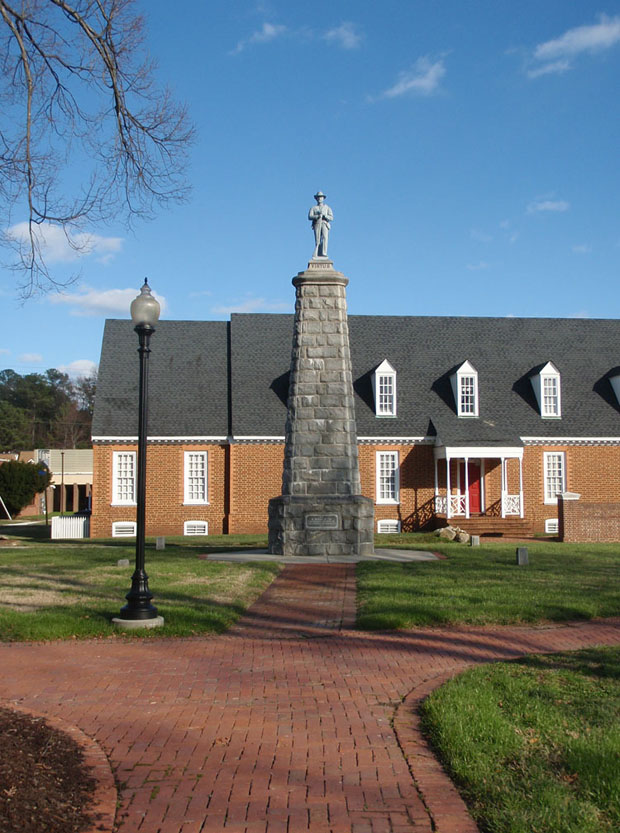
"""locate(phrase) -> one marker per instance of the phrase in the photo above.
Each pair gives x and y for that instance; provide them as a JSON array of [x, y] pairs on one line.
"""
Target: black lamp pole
[[145, 313]]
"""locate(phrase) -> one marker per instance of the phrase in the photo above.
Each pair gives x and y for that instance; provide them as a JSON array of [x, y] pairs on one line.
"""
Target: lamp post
[[139, 612]]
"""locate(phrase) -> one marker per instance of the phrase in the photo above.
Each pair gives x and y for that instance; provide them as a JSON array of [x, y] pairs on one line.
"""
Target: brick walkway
[[283, 725]]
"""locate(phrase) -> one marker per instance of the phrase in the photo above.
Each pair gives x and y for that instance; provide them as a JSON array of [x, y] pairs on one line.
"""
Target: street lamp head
[[145, 308]]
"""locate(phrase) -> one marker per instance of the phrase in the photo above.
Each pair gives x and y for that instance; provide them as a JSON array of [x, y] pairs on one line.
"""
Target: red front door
[[473, 472]]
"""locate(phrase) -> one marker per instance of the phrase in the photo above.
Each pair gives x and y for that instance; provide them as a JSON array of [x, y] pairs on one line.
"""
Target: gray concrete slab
[[379, 555]]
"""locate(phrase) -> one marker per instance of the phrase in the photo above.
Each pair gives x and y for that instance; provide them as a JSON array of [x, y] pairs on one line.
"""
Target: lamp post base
[[135, 624]]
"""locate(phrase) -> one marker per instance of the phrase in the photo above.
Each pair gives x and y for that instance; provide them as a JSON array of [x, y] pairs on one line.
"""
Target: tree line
[[45, 410]]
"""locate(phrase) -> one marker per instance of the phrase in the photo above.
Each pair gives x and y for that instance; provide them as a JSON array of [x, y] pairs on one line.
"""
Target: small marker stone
[[522, 556]]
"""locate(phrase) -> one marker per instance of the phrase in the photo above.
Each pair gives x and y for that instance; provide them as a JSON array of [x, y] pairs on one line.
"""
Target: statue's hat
[[319, 194]]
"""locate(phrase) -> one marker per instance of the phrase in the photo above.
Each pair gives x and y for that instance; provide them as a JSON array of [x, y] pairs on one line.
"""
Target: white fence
[[70, 526]]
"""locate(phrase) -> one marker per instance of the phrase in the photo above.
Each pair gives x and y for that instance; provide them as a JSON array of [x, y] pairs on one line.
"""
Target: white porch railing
[[511, 505], [457, 504], [70, 526]]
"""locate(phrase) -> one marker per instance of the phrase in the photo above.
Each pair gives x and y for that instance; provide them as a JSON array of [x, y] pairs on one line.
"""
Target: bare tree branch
[[85, 134]]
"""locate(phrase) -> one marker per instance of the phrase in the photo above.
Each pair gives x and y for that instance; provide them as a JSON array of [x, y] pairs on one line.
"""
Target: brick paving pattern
[[290, 722]]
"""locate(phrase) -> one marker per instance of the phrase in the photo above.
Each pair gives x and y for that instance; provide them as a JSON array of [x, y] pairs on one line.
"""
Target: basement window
[[195, 528], [124, 529], [388, 527]]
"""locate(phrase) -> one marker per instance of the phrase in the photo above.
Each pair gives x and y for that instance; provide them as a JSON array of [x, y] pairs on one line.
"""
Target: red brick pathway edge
[[103, 803], [445, 806]]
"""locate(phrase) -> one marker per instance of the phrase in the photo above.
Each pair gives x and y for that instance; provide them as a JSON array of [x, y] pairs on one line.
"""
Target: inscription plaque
[[331, 521]]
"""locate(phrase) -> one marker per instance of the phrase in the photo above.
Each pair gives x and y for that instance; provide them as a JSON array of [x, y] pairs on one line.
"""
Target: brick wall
[[256, 477], [592, 471], [588, 522], [417, 484], [165, 508], [242, 479]]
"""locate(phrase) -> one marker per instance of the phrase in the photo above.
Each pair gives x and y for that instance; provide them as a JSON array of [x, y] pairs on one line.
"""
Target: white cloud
[[253, 305], [79, 368], [422, 79], [58, 247], [537, 206], [347, 35], [555, 55], [30, 358], [480, 236], [554, 68], [268, 32], [477, 267], [4, 351], [88, 301], [582, 249], [583, 313]]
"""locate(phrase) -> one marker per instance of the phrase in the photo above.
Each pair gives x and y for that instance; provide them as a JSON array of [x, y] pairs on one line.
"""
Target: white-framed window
[[554, 474], [196, 528], [465, 389], [548, 391], [387, 477], [124, 478], [195, 480], [550, 396], [387, 527], [552, 526], [467, 396], [384, 387], [124, 529]]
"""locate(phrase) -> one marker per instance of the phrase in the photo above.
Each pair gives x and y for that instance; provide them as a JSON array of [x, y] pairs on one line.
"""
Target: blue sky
[[468, 150]]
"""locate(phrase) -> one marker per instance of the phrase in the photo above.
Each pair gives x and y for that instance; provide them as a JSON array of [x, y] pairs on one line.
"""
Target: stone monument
[[321, 510]]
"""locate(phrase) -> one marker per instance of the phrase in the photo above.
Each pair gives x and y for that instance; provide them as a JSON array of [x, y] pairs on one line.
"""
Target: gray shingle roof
[[189, 390], [188, 380]]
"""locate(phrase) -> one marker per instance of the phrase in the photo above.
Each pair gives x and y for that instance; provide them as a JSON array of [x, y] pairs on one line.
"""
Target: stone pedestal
[[321, 510]]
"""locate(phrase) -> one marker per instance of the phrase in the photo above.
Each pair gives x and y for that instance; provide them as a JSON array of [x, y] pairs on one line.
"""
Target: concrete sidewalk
[[383, 554], [290, 722]]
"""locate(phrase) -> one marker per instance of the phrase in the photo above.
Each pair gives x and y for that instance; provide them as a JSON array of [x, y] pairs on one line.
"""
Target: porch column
[[521, 507], [467, 487], [503, 469], [448, 490], [436, 485]]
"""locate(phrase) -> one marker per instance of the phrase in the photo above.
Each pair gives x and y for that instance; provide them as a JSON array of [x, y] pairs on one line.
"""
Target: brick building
[[479, 422]]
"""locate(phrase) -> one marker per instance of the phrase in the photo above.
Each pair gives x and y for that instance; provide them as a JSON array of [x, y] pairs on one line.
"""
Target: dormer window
[[465, 388], [614, 381], [384, 388], [546, 385]]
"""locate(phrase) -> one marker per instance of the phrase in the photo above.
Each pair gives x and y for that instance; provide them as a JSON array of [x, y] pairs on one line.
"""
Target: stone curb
[[445, 806], [104, 799]]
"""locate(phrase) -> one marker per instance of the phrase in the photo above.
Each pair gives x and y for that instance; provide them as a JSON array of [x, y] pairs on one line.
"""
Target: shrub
[[20, 482]]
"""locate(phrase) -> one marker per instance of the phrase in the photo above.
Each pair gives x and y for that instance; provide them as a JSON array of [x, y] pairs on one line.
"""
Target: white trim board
[[160, 439], [482, 451], [570, 440]]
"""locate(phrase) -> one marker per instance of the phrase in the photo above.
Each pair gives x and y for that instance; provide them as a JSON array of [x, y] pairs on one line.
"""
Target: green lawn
[[534, 745], [51, 590], [483, 585], [72, 589]]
